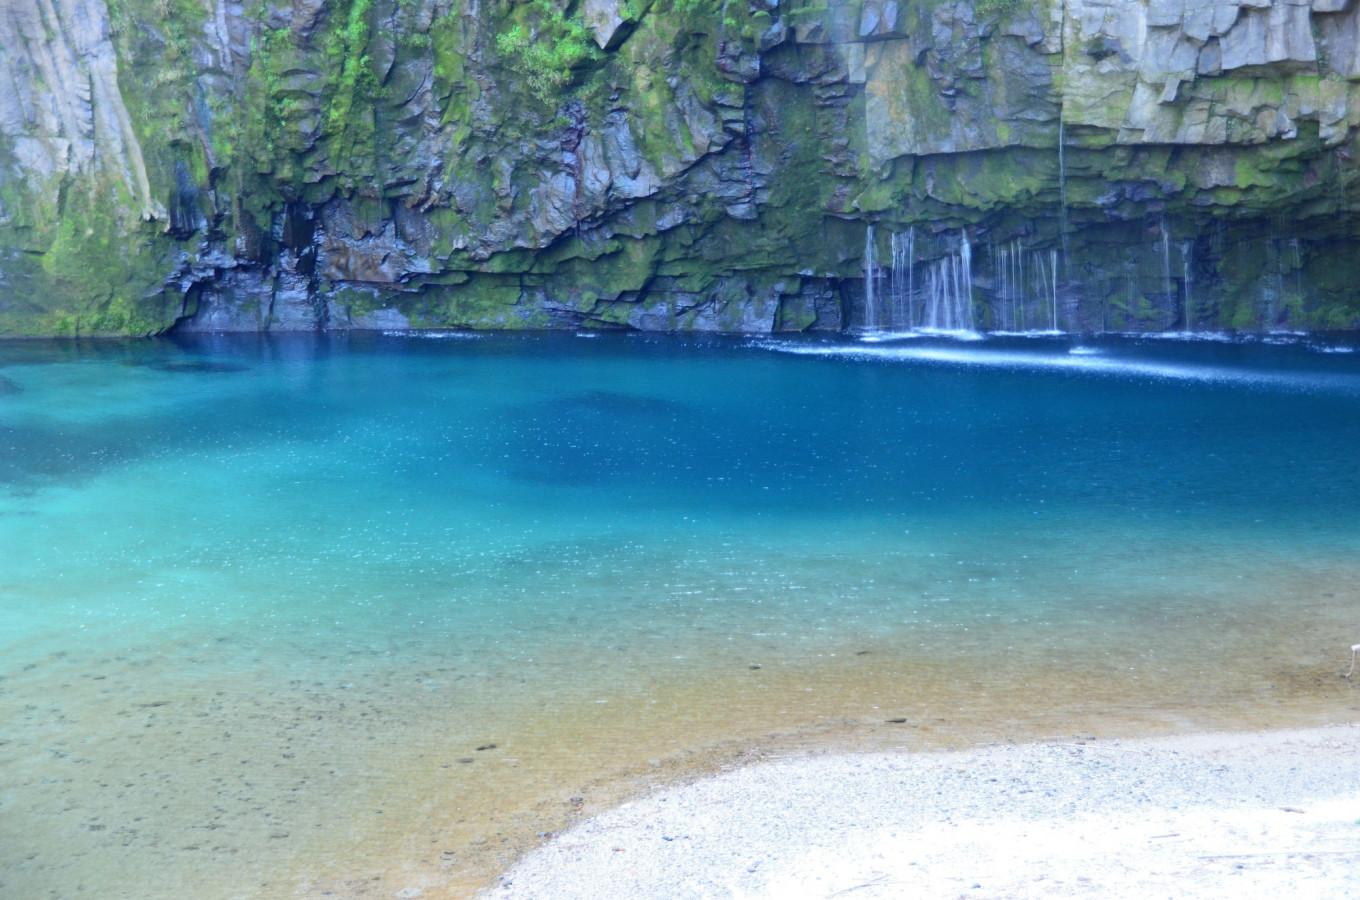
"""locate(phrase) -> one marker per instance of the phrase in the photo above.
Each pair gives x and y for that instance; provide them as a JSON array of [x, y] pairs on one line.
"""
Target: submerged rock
[[198, 367]]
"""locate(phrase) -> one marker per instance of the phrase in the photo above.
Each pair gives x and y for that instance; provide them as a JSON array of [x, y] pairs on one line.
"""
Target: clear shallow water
[[262, 600]]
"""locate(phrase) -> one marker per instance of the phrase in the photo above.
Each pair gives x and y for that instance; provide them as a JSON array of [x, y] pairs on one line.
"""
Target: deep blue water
[[355, 545]]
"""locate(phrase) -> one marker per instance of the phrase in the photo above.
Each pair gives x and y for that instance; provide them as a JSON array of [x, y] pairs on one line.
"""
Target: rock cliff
[[737, 165]]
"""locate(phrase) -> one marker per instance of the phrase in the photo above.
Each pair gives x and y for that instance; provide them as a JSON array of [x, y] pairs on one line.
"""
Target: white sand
[[1240, 815]]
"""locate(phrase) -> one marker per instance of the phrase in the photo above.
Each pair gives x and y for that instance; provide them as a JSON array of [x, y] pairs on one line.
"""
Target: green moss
[[361, 302], [1247, 172], [795, 314], [628, 266], [1001, 7], [350, 120], [456, 89], [102, 273], [486, 301], [544, 46], [313, 119], [925, 106]]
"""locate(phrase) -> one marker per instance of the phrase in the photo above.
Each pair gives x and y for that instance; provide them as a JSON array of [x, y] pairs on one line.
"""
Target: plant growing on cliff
[[349, 117], [547, 53], [997, 7]]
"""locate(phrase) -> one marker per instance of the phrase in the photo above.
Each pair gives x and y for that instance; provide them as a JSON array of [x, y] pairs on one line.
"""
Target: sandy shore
[[1209, 815]]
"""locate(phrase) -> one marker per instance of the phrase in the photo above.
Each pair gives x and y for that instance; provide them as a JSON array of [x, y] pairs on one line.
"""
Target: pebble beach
[[1207, 815]]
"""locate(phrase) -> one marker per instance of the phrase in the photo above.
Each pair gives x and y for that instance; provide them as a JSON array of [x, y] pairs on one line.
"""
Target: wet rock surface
[[670, 166]]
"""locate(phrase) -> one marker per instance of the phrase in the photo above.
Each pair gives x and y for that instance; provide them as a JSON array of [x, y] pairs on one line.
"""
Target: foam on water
[[958, 334], [1043, 333], [1221, 337], [433, 334], [1084, 360]]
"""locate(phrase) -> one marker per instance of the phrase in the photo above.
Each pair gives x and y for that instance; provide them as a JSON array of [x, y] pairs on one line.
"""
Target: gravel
[[1209, 815]]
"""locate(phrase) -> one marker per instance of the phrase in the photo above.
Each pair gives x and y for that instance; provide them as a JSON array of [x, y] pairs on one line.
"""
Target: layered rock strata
[[676, 164]]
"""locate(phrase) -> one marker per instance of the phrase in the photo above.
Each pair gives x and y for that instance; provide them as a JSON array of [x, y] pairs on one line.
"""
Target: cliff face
[[678, 164]]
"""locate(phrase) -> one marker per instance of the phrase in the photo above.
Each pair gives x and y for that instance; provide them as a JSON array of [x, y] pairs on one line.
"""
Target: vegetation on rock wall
[[545, 50], [669, 163]]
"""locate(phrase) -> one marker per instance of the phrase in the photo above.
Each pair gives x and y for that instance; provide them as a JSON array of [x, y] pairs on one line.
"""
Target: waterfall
[[1281, 298], [1187, 247], [937, 285], [1062, 181], [1024, 282], [1053, 287], [1270, 293], [1297, 262], [966, 263], [1166, 258], [1015, 287], [903, 285], [998, 284], [949, 290], [1046, 284], [870, 277], [1002, 287], [1036, 286]]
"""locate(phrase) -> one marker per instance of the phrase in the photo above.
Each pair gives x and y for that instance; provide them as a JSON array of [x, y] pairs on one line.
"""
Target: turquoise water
[[261, 600]]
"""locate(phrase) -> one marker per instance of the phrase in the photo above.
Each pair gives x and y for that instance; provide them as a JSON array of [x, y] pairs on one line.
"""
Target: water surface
[[365, 614]]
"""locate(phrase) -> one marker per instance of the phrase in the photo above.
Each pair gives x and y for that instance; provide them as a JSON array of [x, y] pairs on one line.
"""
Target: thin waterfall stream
[[870, 280], [1187, 248]]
